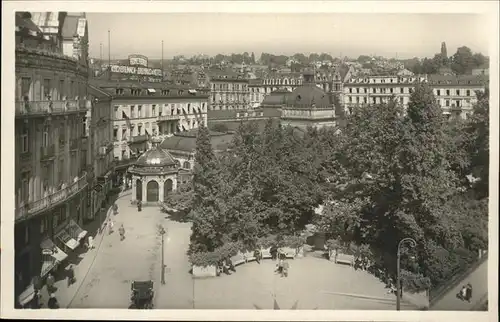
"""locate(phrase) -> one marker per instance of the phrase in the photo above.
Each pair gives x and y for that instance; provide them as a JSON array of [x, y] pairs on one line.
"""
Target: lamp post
[[162, 232], [412, 243]]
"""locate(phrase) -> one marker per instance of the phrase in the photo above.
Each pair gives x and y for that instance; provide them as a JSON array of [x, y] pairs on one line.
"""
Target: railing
[[47, 152], [168, 117], [30, 209], [49, 107]]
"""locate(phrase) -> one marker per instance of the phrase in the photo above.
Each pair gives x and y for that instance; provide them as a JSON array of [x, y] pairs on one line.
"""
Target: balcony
[[25, 156], [168, 117], [49, 107], [47, 153], [30, 209]]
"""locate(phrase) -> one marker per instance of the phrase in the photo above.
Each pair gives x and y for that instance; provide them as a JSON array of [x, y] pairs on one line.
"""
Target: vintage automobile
[[142, 295]]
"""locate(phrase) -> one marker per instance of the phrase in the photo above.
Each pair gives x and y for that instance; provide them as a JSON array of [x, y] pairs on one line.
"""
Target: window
[[357, 90], [124, 134], [350, 90], [468, 93], [392, 89], [447, 92], [438, 92], [72, 90], [139, 111], [115, 134], [458, 92], [124, 154], [24, 140], [447, 102], [187, 165], [132, 111], [46, 88], [402, 90], [25, 87], [153, 108], [45, 137], [350, 99], [139, 129]]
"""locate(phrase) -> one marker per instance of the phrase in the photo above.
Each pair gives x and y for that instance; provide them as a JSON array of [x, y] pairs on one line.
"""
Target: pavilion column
[[161, 185], [174, 183], [144, 190], [134, 188]]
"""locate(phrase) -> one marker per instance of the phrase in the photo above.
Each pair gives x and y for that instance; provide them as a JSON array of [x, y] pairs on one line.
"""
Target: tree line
[[384, 174]]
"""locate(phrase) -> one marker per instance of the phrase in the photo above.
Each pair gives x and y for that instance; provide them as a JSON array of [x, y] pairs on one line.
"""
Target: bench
[[345, 259]]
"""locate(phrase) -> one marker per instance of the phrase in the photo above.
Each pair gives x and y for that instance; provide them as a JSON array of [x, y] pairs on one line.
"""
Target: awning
[[27, 295], [76, 231], [67, 240], [151, 90], [51, 256], [192, 91]]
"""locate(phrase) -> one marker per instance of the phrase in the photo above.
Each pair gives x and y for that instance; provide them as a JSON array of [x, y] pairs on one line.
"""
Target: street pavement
[[479, 281], [104, 275], [118, 263]]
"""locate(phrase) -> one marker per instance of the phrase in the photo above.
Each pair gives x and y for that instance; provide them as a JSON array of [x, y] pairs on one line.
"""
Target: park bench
[[345, 259]]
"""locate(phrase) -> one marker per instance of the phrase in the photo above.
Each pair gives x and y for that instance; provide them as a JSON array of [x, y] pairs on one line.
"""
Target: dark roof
[[275, 98], [457, 80], [70, 26], [22, 21], [307, 95], [97, 92], [155, 157], [186, 141]]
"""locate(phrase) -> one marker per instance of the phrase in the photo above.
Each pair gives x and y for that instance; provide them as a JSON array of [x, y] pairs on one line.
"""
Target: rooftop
[[186, 141]]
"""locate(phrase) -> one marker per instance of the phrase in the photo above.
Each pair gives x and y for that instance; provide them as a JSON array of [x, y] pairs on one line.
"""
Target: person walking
[[284, 270], [71, 275], [90, 242], [258, 255], [50, 283], [110, 225], [121, 230], [468, 292], [53, 303]]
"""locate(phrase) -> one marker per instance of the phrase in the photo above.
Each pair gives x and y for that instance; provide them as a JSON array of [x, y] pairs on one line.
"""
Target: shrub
[[205, 259]]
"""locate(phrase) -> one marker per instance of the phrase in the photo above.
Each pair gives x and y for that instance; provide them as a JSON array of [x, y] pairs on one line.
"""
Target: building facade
[[51, 187], [455, 94], [99, 130], [228, 91]]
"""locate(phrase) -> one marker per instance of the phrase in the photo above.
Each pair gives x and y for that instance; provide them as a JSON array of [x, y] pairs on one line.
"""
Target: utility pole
[[162, 232]]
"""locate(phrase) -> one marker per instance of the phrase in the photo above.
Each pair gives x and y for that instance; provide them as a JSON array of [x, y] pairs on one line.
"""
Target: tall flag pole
[[109, 53]]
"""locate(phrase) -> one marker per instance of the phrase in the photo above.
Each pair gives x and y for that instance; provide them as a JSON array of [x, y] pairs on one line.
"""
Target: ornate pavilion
[[154, 175]]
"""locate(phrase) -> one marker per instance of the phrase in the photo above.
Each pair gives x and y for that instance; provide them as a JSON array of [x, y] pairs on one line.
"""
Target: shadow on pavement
[[178, 216]]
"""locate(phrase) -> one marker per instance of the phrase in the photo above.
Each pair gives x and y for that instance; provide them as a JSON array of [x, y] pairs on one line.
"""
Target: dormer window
[[119, 91]]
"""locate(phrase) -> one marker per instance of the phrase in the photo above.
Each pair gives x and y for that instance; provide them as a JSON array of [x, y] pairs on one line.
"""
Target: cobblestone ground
[[118, 263]]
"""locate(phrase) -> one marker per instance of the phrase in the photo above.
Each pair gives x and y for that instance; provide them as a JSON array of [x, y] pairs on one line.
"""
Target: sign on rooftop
[[136, 70], [138, 60]]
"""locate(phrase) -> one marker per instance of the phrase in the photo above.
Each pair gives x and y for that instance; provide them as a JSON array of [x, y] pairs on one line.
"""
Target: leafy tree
[[253, 58], [364, 59], [220, 127], [462, 61], [208, 226]]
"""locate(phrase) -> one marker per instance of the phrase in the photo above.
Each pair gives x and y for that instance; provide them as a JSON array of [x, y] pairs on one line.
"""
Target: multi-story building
[[50, 155], [228, 91], [455, 94], [99, 130], [379, 89]]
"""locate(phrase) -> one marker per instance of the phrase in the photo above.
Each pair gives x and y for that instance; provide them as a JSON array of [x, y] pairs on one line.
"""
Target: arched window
[[187, 165]]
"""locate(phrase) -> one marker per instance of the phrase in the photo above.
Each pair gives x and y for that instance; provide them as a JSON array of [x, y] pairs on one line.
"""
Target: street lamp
[[412, 243], [162, 232]]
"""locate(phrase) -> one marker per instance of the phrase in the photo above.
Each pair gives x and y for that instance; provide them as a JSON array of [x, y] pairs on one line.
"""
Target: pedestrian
[[139, 205], [468, 292], [284, 270], [50, 283], [230, 264], [110, 225], [273, 251], [279, 267], [71, 275], [115, 209], [52, 303], [463, 292], [90, 242], [258, 255], [35, 302], [121, 230]]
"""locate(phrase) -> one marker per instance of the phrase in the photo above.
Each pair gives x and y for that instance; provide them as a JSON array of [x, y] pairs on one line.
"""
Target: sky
[[391, 35]]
